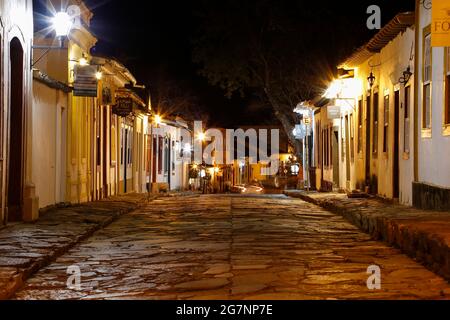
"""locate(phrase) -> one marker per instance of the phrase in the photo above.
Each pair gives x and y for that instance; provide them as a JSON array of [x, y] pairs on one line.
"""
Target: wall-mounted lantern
[[62, 24], [371, 80], [406, 76]]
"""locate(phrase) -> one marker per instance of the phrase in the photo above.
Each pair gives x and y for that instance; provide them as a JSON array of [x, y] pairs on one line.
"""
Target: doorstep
[[422, 235]]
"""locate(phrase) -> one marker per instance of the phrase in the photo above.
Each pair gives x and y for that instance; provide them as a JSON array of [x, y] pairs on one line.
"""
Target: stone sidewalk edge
[[7, 290], [424, 247]]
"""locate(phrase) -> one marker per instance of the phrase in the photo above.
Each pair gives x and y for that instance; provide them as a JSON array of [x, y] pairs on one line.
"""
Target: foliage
[[269, 48]]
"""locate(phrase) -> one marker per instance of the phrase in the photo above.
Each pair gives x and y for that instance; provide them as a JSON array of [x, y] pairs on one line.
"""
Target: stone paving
[[222, 247], [422, 234], [27, 247]]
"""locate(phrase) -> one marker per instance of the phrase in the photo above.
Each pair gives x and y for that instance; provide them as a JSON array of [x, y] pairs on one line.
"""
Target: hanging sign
[[333, 112], [440, 24], [86, 82], [123, 107]]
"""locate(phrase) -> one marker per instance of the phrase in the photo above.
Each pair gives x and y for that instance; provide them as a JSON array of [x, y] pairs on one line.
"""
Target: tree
[[175, 97], [281, 51]]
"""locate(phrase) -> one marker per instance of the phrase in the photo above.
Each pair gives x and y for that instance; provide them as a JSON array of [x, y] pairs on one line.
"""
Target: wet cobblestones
[[219, 247]]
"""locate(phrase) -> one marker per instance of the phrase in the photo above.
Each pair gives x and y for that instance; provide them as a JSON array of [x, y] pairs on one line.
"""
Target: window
[[406, 146], [344, 126], [130, 146], [325, 147], [166, 156], [447, 87], [360, 127], [352, 138], [174, 144], [426, 103], [113, 141], [386, 124], [375, 123], [122, 139], [160, 154], [98, 137], [331, 146]]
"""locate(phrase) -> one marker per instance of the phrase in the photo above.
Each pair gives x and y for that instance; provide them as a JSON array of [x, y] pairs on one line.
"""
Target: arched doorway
[[15, 163]]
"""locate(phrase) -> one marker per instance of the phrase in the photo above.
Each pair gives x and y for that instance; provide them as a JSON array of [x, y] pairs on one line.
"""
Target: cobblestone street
[[222, 247]]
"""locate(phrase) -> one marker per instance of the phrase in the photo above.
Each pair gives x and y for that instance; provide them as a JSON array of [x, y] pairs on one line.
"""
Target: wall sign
[[440, 24], [86, 83], [333, 112]]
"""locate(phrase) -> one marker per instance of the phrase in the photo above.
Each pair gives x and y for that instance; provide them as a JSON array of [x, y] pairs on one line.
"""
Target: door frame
[[22, 140], [396, 151]]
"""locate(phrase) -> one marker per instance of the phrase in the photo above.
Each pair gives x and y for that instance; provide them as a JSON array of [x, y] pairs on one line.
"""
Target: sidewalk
[[26, 248], [422, 235]]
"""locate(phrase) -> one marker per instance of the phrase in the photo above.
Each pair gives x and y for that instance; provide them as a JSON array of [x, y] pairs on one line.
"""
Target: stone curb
[[12, 279], [427, 248]]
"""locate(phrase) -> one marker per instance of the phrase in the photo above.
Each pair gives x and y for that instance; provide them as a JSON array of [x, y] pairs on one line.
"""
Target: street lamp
[[157, 119], [407, 74], [83, 61], [371, 80], [62, 24], [201, 136]]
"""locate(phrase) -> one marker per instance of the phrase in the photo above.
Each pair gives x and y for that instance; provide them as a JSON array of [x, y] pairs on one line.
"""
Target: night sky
[[153, 39]]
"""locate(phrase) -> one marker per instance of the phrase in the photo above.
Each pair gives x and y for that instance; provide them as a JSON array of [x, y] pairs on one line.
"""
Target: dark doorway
[[125, 166], [348, 146], [154, 158], [368, 141], [396, 173], [15, 163], [335, 155]]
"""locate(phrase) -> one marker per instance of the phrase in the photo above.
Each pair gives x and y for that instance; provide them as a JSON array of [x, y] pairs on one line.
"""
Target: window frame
[[386, 111], [446, 115], [407, 121], [376, 122], [352, 138], [427, 84], [360, 126]]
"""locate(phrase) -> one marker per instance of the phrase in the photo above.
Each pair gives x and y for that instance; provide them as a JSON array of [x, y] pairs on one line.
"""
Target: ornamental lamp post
[[62, 24]]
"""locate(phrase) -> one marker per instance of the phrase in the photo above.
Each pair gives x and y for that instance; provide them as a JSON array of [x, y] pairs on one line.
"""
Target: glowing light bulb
[[158, 119], [62, 24], [201, 136], [83, 62]]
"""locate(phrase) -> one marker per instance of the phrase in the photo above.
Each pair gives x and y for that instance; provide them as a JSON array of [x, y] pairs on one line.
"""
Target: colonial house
[[90, 120], [64, 112], [171, 154], [432, 124], [121, 131], [363, 131], [17, 188]]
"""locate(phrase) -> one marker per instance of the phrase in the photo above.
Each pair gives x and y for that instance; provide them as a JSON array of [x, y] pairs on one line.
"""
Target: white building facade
[[432, 169], [18, 199]]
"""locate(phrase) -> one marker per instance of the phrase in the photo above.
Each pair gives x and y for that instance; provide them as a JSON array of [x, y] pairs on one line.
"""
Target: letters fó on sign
[[440, 25]]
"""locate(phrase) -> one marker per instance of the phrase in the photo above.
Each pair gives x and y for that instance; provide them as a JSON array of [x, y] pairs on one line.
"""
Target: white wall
[[49, 139], [178, 177], [16, 20], [434, 151]]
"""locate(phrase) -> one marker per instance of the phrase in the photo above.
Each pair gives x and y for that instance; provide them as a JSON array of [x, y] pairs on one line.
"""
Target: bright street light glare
[[201, 136], [62, 23], [158, 119]]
